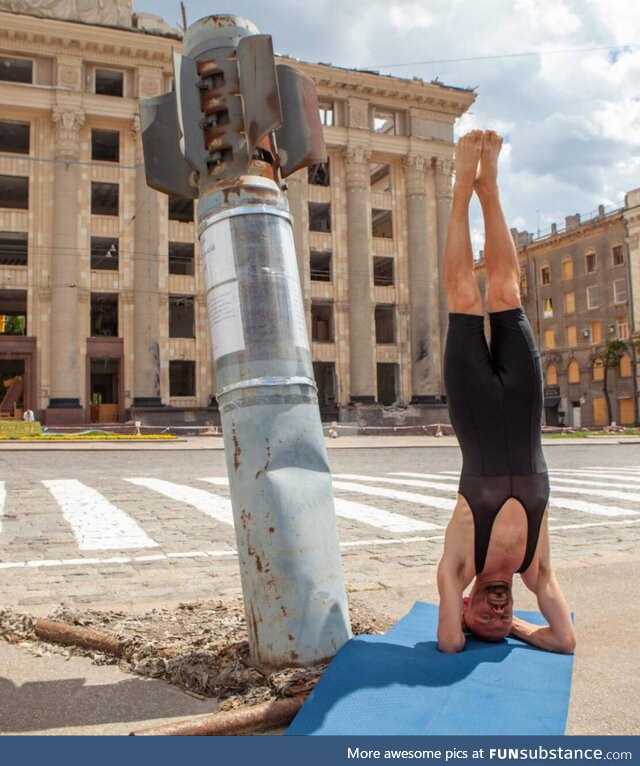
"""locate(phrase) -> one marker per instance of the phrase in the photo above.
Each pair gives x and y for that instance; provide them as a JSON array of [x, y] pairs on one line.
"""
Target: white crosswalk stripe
[[215, 506], [441, 503], [365, 514], [97, 524], [398, 482]]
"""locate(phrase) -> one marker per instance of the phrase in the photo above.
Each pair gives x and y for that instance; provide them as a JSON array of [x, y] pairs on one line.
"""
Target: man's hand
[[543, 636]]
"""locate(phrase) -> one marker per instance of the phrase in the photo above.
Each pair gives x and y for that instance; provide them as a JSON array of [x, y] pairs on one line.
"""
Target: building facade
[[101, 283], [576, 285]]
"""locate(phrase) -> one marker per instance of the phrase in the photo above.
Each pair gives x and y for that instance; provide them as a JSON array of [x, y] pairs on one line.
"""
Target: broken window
[[548, 309], [318, 175], [385, 121], [380, 177], [320, 216], [545, 275], [105, 145], [325, 377], [387, 379], [590, 263], [385, 324], [321, 265], [14, 137], [382, 223], [618, 255], [14, 192], [104, 253], [180, 209], [181, 258], [327, 113], [13, 248], [13, 312], [16, 70], [109, 82], [322, 322], [104, 315], [182, 316], [182, 377], [382, 271], [104, 198]]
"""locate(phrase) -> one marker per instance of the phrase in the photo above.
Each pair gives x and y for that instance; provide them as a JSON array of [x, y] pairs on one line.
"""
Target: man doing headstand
[[499, 524]]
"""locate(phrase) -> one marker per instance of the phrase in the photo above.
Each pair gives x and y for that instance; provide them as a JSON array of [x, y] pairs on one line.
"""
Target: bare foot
[[467, 157], [487, 178]]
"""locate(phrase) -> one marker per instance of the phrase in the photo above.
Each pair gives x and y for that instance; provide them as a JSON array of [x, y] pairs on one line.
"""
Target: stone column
[[65, 374], [146, 266], [296, 197], [443, 174], [424, 280], [361, 325]]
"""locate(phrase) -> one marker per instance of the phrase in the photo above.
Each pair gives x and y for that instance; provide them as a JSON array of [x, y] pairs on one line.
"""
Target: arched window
[[552, 375], [573, 372], [625, 366], [598, 370]]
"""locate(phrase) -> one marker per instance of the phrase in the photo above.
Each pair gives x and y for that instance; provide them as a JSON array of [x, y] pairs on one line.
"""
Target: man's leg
[[463, 294], [500, 254]]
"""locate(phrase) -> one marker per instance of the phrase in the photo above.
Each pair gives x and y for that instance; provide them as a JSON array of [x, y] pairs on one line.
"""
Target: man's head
[[488, 610]]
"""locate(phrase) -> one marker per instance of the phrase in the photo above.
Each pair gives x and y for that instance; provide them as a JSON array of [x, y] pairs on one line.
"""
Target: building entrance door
[[576, 415], [105, 384]]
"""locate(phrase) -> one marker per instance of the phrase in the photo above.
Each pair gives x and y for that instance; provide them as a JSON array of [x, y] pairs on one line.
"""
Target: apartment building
[[577, 291], [101, 284]]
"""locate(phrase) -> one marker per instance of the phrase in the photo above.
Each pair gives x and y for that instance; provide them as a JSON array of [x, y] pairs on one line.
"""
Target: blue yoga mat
[[399, 683]]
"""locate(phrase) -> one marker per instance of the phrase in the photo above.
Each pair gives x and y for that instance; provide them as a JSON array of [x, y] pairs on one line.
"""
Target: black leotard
[[495, 402]]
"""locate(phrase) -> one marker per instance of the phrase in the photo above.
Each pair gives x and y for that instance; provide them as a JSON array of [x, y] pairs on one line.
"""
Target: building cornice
[[582, 231]]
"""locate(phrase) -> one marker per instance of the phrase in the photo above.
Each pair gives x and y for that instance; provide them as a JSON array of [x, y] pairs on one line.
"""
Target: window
[[14, 192], [618, 255], [13, 312], [385, 121], [385, 324], [593, 297], [382, 272], [182, 377], [387, 380], [619, 290], [573, 372], [13, 248], [597, 370], [318, 175], [104, 199], [181, 258], [622, 328], [109, 82], [545, 275], [552, 375], [569, 303], [327, 113], [105, 145], [625, 366], [548, 309], [382, 223], [180, 209], [104, 253], [322, 322], [14, 137], [599, 412], [549, 339], [567, 268], [380, 177], [16, 70], [320, 216], [572, 335], [596, 332], [104, 315], [182, 316], [320, 263], [590, 263]]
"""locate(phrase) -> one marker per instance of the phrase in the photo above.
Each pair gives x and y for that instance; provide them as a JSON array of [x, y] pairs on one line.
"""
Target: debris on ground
[[201, 647]]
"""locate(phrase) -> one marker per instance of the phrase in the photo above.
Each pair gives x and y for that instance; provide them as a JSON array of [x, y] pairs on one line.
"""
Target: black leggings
[[495, 403]]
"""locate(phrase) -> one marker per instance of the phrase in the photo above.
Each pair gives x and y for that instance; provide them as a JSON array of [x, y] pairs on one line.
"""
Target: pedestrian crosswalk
[[120, 516]]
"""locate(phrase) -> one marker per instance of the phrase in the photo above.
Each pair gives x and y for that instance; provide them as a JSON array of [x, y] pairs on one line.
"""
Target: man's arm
[[560, 635], [450, 587]]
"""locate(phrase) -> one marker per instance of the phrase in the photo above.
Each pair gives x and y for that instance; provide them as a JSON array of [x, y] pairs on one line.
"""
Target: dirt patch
[[200, 647]]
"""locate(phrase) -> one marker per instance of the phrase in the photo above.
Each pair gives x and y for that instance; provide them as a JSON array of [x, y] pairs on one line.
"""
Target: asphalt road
[[169, 540]]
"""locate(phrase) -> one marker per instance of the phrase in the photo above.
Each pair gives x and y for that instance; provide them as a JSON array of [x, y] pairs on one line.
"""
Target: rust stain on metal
[[258, 563], [272, 530], [237, 452], [290, 637], [284, 610]]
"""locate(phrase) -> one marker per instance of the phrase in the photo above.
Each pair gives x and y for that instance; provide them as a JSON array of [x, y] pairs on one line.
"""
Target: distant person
[[28, 416], [499, 526]]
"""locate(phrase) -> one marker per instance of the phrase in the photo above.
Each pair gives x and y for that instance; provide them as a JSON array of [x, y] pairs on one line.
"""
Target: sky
[[559, 79]]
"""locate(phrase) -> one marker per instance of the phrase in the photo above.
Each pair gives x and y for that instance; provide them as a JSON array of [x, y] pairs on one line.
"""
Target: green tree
[[608, 357]]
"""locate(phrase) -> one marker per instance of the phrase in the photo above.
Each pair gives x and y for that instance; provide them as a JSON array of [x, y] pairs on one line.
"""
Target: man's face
[[488, 612]]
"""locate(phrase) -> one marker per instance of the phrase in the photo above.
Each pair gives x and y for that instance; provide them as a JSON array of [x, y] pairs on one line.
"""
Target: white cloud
[[406, 16]]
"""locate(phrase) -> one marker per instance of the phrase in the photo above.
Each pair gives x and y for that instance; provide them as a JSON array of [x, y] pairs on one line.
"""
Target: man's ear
[[465, 602]]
